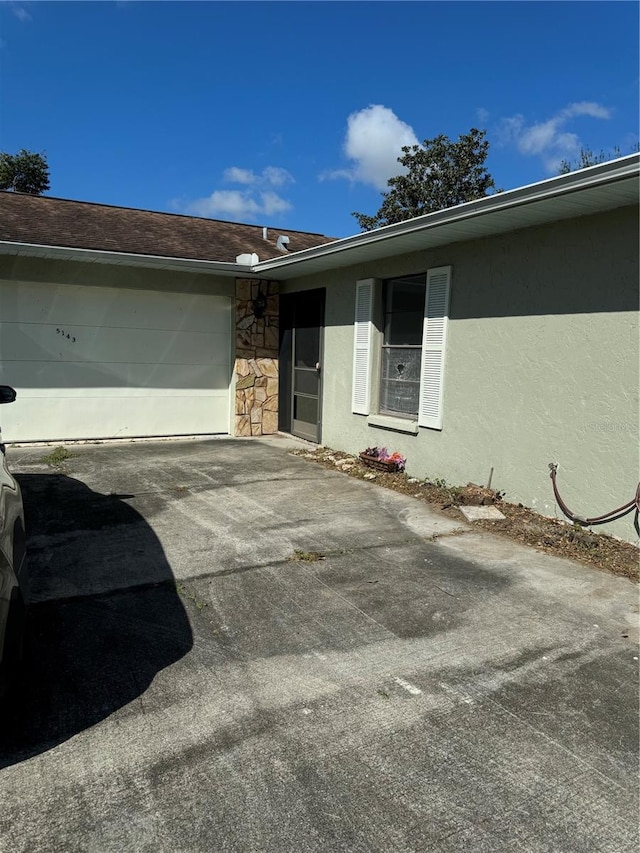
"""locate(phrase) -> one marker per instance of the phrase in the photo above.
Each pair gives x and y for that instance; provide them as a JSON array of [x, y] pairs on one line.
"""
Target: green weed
[[57, 457], [306, 556], [190, 596]]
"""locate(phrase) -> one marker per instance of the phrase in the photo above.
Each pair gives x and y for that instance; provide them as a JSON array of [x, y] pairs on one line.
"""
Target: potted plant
[[380, 459]]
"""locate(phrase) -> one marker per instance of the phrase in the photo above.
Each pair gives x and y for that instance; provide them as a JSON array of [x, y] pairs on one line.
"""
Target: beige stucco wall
[[541, 365]]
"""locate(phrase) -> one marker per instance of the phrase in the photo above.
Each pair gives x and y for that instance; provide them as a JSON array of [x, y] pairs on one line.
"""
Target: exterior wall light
[[259, 305]]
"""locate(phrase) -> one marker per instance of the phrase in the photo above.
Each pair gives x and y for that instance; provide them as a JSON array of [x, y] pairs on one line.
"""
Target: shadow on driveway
[[105, 615]]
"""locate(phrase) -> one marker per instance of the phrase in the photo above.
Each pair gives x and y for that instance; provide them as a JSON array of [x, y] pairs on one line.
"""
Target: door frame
[[288, 303]]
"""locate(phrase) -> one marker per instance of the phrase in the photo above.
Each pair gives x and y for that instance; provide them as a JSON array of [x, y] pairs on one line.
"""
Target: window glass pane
[[305, 409], [401, 363], [306, 381], [407, 295], [307, 347], [404, 311], [402, 350], [405, 329], [400, 381]]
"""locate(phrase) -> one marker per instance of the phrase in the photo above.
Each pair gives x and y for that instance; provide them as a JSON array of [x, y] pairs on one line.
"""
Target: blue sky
[[293, 114]]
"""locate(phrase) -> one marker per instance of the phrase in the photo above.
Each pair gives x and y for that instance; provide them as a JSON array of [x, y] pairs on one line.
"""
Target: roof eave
[[558, 187], [481, 215], [100, 256]]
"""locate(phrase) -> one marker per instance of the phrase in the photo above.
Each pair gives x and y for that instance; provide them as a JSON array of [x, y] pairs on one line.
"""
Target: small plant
[[440, 483], [184, 592], [306, 556], [57, 457], [395, 459]]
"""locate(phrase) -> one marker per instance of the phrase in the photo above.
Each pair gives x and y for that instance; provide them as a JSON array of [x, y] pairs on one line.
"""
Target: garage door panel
[[89, 417], [42, 378], [86, 345], [113, 307], [142, 363]]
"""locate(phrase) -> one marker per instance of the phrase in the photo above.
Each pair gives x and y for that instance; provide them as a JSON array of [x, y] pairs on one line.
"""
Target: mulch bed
[[521, 523]]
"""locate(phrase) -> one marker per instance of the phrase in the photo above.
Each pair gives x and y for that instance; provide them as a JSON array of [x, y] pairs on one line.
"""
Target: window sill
[[395, 424]]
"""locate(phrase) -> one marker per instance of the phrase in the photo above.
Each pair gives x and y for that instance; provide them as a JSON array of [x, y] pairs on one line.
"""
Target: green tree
[[24, 172], [440, 173], [587, 158]]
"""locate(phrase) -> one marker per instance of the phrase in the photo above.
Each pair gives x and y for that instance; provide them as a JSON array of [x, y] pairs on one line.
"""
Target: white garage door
[[96, 362]]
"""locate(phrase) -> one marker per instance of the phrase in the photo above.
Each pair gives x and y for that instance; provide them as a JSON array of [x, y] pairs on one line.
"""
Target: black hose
[[600, 519]]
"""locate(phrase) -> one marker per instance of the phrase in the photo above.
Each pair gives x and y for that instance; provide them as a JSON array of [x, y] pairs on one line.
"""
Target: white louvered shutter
[[362, 336], [434, 339]]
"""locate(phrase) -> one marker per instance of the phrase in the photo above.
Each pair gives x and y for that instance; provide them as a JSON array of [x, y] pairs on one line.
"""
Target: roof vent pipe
[[282, 243], [264, 233]]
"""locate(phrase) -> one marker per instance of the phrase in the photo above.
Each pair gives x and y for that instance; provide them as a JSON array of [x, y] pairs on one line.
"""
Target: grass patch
[[306, 556], [57, 457], [190, 596]]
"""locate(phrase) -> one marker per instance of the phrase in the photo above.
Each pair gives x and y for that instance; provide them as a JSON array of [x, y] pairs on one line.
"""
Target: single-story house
[[496, 336]]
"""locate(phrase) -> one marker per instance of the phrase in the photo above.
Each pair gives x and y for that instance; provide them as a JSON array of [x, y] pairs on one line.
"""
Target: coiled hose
[[600, 519]]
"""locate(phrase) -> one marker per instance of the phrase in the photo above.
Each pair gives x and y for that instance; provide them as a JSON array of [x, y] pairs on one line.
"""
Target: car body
[[13, 564]]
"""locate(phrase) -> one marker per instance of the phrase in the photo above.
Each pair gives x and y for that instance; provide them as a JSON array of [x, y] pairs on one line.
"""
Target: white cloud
[[256, 198], [549, 139], [271, 176], [276, 176], [235, 175], [228, 204], [20, 13], [587, 108], [482, 115], [273, 203], [374, 139], [237, 205]]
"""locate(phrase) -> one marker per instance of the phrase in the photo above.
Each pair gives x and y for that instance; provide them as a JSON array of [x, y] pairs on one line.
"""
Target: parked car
[[13, 564]]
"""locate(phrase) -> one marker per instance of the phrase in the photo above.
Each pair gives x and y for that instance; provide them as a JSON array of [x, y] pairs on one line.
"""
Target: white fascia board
[[98, 256], [560, 186]]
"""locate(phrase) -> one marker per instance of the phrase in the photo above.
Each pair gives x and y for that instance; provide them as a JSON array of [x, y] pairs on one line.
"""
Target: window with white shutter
[[362, 339], [434, 339], [401, 354]]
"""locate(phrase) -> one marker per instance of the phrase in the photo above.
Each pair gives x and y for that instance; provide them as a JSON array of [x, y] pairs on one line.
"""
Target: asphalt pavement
[[234, 649]]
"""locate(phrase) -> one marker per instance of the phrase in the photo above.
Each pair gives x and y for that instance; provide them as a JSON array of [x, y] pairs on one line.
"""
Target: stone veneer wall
[[256, 367]]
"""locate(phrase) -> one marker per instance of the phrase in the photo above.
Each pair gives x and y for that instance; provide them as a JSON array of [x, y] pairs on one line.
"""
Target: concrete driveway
[[190, 687]]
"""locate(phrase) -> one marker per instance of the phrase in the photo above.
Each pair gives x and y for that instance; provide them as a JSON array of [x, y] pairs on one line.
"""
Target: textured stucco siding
[[541, 365]]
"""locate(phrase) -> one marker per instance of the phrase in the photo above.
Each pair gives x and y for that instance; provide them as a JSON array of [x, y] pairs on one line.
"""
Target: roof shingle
[[47, 221]]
